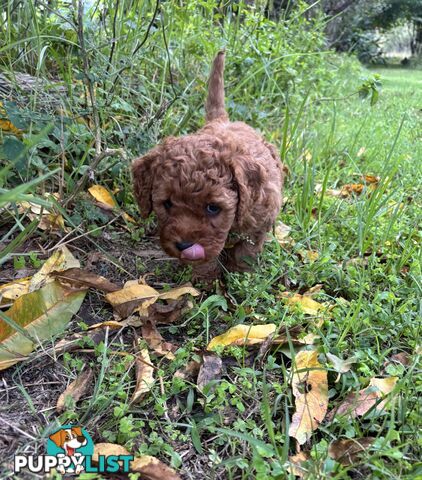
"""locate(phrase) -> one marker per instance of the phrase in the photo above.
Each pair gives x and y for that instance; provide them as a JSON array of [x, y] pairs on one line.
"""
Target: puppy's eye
[[212, 209], [167, 204]]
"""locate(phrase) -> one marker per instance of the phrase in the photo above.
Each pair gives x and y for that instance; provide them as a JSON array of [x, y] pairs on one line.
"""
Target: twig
[[114, 41], [135, 51], [108, 152], [88, 81]]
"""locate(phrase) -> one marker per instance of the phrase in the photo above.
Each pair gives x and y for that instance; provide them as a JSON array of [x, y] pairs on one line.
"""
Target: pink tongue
[[195, 252]]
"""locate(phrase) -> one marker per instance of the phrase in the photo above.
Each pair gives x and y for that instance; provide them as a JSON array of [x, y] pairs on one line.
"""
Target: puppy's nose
[[183, 245]]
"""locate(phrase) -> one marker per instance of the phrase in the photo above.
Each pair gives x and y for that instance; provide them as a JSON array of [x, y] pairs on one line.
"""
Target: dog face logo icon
[[71, 445]]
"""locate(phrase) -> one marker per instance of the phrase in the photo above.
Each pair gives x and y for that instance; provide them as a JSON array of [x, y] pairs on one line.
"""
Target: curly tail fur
[[214, 106]]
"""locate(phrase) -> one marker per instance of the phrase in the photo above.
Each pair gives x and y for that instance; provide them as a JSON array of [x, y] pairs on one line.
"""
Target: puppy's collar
[[234, 238]]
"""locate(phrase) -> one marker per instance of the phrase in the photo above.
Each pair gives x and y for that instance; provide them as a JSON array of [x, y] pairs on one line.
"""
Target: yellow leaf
[[309, 255], [282, 234], [102, 195], [61, 260], [385, 386], [13, 290], [305, 302], [310, 388], [243, 335], [144, 375], [6, 125], [371, 178], [140, 296]]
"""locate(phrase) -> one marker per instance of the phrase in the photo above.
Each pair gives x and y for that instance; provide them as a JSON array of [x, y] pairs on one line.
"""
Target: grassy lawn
[[364, 251]]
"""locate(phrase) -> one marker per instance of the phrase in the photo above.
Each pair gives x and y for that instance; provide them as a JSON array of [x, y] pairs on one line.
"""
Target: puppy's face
[[192, 191]]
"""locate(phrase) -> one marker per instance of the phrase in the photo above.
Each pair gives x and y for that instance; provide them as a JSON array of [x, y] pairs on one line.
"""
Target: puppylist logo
[[69, 451]]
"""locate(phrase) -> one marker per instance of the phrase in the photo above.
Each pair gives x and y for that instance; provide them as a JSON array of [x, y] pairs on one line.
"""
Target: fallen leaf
[[76, 340], [103, 196], [149, 467], [189, 372], [308, 255], [156, 342], [169, 312], [358, 403], [243, 335], [153, 469], [385, 386], [61, 260], [282, 234], [107, 323], [304, 302], [13, 290], [76, 389], [135, 296], [346, 190], [310, 388], [48, 218], [339, 365], [107, 449], [38, 316], [361, 151], [296, 464], [371, 179], [144, 375], [403, 357], [347, 451], [82, 278], [209, 371]]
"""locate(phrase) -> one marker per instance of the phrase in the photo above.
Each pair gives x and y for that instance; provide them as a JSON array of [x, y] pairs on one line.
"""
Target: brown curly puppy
[[216, 192]]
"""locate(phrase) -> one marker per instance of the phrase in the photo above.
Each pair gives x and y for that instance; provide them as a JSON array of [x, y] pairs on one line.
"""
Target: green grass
[[368, 246]]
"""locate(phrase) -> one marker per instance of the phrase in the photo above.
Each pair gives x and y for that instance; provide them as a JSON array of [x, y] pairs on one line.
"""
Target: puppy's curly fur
[[219, 188]]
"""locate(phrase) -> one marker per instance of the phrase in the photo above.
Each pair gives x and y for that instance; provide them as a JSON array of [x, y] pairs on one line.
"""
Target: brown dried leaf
[[76, 389], [358, 403], [144, 375], [348, 451], [153, 469], [149, 467], [296, 464], [78, 277], [403, 357], [169, 312], [189, 372], [156, 342], [210, 370], [310, 387]]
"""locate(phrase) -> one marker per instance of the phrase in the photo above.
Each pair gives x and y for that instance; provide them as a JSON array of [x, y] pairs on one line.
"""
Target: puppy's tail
[[214, 106]]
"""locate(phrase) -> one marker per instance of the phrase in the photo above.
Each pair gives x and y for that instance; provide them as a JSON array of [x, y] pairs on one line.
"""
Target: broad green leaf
[[40, 316]]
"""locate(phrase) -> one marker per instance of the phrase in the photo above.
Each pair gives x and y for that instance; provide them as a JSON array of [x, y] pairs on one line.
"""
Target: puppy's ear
[[249, 179], [143, 177], [58, 438]]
